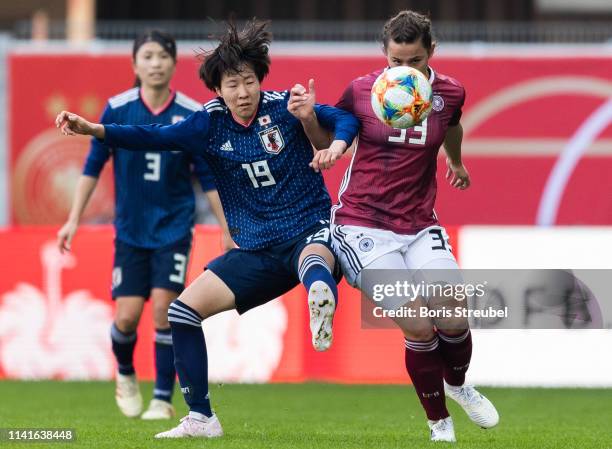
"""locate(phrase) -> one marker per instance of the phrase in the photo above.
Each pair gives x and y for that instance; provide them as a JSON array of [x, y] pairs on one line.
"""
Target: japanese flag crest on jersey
[[272, 140]]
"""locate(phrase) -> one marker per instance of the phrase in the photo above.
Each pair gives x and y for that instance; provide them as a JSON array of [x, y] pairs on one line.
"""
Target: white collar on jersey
[[432, 75]]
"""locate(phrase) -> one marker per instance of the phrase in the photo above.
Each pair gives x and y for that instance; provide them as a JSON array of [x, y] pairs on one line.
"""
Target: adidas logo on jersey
[[227, 146]]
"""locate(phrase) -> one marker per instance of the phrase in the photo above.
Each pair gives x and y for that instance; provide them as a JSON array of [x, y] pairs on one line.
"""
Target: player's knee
[[452, 328], [161, 300], [126, 322], [456, 324], [421, 333], [160, 317], [180, 313]]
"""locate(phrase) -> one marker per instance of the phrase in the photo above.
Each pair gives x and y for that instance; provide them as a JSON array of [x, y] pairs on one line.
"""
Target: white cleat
[[322, 306], [442, 430], [194, 428], [158, 409], [127, 395], [479, 409]]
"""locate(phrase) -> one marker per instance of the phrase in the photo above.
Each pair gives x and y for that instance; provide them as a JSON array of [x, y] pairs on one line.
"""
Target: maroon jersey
[[391, 181]]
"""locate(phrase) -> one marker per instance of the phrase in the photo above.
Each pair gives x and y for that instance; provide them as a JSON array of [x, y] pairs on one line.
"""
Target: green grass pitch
[[312, 416]]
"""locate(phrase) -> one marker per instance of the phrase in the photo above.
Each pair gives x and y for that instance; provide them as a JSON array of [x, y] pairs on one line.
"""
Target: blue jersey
[[154, 199], [268, 191]]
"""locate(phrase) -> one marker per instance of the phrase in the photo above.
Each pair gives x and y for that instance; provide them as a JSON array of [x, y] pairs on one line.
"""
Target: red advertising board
[[56, 312], [521, 115]]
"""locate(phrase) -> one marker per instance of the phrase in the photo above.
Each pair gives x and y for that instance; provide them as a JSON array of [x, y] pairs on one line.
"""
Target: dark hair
[[167, 42], [235, 50], [408, 27]]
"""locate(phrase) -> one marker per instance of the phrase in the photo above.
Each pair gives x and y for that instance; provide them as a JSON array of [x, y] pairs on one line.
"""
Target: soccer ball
[[401, 97]]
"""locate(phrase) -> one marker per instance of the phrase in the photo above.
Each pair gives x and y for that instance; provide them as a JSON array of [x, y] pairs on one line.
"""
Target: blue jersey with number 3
[[154, 200], [268, 191]]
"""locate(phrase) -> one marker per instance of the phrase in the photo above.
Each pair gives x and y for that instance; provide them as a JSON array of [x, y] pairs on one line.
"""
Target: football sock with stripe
[[314, 268], [123, 344], [456, 353], [190, 357], [165, 373], [426, 369]]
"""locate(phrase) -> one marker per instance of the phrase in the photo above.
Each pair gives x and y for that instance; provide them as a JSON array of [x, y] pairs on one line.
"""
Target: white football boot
[[127, 395], [158, 409], [442, 430], [322, 306], [194, 428], [479, 409]]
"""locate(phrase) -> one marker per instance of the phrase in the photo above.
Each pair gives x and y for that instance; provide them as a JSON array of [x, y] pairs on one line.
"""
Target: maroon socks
[[426, 369], [456, 353]]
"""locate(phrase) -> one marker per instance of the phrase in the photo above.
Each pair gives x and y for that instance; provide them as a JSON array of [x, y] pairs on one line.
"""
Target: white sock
[[198, 416], [453, 388]]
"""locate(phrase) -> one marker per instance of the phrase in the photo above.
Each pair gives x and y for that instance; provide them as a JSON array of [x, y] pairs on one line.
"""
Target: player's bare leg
[[204, 297], [456, 348], [160, 406], [123, 337], [316, 265]]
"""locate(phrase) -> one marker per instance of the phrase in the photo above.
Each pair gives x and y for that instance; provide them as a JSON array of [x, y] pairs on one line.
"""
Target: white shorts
[[358, 247]]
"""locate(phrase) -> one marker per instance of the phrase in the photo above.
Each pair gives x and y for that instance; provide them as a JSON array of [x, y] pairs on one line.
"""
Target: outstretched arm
[[72, 124], [186, 135]]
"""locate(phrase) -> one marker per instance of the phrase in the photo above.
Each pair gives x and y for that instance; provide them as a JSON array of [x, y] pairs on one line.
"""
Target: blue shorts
[[256, 277], [138, 270]]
